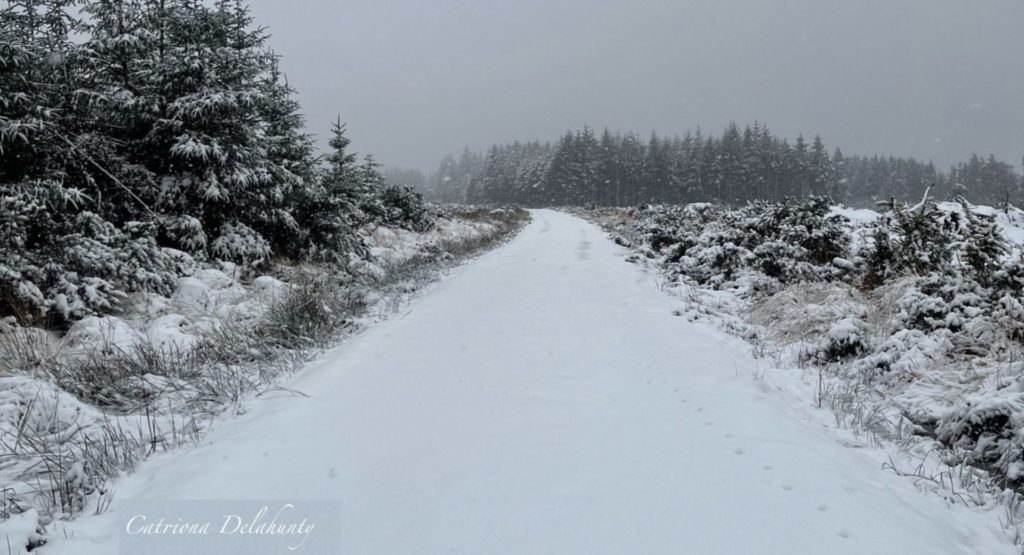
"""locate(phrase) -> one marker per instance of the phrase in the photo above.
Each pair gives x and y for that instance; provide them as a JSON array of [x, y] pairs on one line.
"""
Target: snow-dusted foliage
[[237, 242], [774, 242], [400, 206], [136, 137], [922, 305]]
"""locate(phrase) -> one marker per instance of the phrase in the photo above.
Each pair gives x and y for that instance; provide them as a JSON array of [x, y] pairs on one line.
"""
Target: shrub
[[847, 339]]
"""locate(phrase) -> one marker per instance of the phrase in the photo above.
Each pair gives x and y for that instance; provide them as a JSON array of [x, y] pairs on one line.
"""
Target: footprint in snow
[[787, 487], [738, 451], [844, 534], [822, 508]]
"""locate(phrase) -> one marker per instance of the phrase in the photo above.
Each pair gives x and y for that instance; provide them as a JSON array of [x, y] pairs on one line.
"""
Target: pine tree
[[821, 169], [66, 250], [331, 210], [982, 245], [290, 161], [927, 238], [881, 260]]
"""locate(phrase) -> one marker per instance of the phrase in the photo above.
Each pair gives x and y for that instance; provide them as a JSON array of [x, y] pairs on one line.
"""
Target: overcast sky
[[416, 79]]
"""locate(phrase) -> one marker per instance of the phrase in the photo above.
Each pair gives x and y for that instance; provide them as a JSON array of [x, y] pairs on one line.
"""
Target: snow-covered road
[[544, 399]]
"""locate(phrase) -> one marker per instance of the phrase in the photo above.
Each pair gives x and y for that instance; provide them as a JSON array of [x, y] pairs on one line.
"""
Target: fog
[[416, 79]]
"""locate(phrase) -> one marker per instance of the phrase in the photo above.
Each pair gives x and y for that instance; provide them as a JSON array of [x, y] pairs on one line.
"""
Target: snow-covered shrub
[[846, 339], [237, 242], [85, 266], [400, 206], [1009, 277], [807, 224], [904, 355], [1008, 315], [982, 244], [985, 430], [927, 237], [880, 261], [716, 262], [185, 231], [935, 302], [958, 304], [663, 226], [785, 261], [790, 242]]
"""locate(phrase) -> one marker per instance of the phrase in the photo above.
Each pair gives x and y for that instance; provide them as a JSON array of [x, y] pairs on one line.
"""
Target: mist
[[935, 79]]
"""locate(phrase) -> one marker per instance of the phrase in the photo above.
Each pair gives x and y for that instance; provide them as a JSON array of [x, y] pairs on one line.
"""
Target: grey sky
[[416, 79]]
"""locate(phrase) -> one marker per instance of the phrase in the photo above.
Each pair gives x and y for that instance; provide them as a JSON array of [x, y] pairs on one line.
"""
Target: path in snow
[[544, 399]]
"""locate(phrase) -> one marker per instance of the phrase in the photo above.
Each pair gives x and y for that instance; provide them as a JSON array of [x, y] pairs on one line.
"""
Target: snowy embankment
[[905, 323], [78, 408]]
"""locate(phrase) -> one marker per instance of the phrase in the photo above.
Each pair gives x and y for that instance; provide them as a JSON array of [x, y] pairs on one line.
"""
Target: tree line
[[139, 136], [733, 168]]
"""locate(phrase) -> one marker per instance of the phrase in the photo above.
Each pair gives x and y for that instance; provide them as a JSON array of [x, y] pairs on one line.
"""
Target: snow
[[19, 530], [844, 330], [93, 331], [548, 399], [858, 216], [172, 332], [394, 244], [1010, 220]]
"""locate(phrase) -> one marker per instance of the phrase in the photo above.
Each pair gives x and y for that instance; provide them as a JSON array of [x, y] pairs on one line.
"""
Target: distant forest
[[740, 165]]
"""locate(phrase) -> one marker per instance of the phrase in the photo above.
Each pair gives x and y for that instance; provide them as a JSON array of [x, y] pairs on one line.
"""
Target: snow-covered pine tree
[[67, 250], [982, 244], [880, 260], [290, 161], [330, 209], [559, 176], [821, 169], [368, 185], [927, 238]]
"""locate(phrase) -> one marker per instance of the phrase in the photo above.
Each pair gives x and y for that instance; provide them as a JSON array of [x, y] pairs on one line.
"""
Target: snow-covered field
[[548, 398], [62, 433]]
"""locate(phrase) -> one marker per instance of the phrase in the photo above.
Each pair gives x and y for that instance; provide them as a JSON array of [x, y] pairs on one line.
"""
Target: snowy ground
[[546, 399]]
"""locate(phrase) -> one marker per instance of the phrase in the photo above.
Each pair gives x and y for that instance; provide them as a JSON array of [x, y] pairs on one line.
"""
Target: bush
[[847, 339], [400, 206], [790, 242], [239, 243], [83, 266], [984, 431]]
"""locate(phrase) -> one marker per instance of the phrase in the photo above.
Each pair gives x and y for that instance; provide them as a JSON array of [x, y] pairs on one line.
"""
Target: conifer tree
[[983, 244]]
